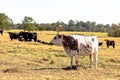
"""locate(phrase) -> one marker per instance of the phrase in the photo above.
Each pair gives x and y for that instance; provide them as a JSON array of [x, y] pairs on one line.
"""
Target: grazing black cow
[[1, 31], [100, 44], [110, 43], [27, 36], [13, 35]]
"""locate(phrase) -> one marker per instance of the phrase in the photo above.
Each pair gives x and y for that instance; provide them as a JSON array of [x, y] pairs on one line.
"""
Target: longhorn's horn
[[58, 28]]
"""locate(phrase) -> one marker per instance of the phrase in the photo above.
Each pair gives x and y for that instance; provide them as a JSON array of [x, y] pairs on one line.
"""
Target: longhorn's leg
[[71, 58], [76, 61], [96, 57], [96, 60], [91, 60]]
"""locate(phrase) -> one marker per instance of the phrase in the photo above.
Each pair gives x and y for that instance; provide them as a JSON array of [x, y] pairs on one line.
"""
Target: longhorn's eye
[[54, 37]]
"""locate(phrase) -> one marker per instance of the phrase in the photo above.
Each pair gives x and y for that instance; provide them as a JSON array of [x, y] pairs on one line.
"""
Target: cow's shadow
[[74, 67], [46, 69], [69, 68], [64, 68]]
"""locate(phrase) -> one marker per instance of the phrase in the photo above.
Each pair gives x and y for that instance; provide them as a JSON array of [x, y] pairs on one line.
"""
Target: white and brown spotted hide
[[70, 42], [77, 45]]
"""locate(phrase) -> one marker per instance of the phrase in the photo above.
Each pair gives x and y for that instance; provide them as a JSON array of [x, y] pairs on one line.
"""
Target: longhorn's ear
[[58, 28]]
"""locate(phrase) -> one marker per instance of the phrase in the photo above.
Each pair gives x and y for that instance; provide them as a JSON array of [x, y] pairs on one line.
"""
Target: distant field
[[36, 61]]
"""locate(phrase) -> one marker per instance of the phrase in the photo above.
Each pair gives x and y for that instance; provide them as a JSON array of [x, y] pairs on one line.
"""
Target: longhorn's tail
[[43, 42]]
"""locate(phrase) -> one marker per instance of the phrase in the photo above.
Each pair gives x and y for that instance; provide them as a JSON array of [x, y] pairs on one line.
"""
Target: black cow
[[13, 35], [100, 43], [110, 43], [27, 36], [1, 31]]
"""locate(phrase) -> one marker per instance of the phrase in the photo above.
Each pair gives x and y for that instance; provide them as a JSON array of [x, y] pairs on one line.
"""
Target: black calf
[[100, 44], [13, 35], [110, 43]]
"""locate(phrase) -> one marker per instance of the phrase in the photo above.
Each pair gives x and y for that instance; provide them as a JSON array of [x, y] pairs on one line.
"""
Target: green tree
[[71, 23], [114, 30], [5, 21], [28, 23]]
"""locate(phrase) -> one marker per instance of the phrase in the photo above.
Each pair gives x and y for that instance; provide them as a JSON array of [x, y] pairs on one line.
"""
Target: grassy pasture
[[36, 61]]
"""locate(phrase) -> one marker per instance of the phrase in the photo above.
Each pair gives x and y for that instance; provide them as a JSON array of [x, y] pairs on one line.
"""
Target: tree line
[[70, 26], [29, 24]]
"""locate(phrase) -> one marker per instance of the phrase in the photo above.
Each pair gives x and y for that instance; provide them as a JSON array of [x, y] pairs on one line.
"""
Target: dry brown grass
[[36, 61]]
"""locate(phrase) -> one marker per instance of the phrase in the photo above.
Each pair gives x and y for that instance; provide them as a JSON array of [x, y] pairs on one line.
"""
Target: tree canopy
[[5, 21], [28, 23], [114, 30]]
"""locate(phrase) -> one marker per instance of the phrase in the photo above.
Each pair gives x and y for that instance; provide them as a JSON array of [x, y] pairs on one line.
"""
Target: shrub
[[114, 31]]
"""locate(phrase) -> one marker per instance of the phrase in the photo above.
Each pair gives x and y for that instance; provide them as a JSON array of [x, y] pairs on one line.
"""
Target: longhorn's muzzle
[[50, 43]]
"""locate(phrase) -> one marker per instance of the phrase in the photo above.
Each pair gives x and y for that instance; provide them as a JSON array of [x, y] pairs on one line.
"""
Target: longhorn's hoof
[[76, 68], [71, 67]]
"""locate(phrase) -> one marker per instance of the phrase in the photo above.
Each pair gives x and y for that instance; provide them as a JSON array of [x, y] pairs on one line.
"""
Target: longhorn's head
[[57, 40]]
